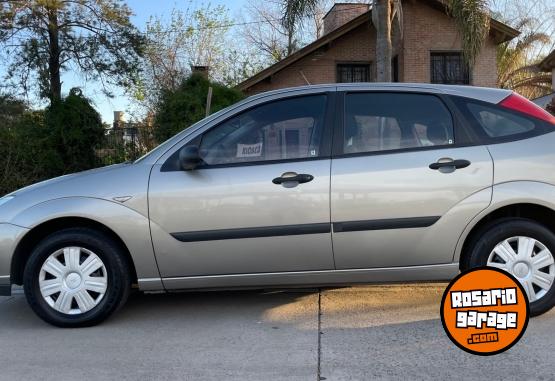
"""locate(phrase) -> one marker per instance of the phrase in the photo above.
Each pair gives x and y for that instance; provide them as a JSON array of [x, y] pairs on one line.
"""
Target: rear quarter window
[[497, 123], [493, 123]]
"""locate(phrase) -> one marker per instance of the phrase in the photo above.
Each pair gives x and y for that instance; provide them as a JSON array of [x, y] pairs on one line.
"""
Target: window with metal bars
[[347, 73], [449, 68]]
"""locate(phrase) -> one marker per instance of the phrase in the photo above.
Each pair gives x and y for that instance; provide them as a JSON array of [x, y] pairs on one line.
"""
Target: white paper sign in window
[[249, 150]]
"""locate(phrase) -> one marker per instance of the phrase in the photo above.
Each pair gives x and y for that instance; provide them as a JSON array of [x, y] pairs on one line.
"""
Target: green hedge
[[37, 145]]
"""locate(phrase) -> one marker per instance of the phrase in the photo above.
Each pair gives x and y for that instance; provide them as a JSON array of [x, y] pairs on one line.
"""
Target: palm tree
[[471, 17], [514, 68]]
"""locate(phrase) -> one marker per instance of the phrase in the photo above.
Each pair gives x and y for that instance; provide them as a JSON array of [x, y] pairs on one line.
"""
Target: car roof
[[485, 94]]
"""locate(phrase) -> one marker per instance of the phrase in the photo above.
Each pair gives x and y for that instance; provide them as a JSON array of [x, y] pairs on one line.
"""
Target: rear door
[[404, 183]]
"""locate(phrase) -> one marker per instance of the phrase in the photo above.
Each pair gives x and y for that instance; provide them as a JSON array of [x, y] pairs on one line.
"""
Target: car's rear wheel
[[76, 277], [525, 249]]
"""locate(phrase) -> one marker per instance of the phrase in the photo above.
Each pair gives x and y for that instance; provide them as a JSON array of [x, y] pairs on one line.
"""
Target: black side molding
[[265, 231], [394, 223]]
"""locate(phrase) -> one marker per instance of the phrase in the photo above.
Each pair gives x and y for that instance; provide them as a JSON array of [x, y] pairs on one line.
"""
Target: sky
[[144, 9]]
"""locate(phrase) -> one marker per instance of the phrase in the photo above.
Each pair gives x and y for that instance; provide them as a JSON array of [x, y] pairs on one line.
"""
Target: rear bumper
[[10, 235]]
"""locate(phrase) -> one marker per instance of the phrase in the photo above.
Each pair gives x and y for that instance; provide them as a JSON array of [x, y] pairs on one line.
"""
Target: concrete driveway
[[374, 332]]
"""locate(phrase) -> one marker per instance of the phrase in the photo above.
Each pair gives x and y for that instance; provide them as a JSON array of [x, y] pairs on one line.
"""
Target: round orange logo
[[485, 311]]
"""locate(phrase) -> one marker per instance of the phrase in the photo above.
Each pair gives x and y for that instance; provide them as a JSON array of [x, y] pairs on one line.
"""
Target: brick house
[[429, 52]]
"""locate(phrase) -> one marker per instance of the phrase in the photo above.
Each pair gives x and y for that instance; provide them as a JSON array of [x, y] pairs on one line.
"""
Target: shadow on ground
[[372, 332]]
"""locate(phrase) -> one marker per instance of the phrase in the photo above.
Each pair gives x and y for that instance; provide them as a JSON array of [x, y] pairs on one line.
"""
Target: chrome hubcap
[[73, 280], [529, 260]]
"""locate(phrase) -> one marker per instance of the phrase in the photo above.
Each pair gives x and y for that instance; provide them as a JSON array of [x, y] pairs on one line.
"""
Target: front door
[[259, 202], [403, 184]]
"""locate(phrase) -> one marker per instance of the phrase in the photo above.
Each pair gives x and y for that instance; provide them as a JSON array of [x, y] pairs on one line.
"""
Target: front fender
[[510, 193], [131, 226]]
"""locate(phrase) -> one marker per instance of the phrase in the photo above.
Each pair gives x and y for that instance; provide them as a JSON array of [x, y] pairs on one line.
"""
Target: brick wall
[[426, 30], [320, 66], [341, 13]]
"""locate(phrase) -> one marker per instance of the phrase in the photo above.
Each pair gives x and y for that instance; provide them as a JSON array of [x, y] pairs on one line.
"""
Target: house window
[[347, 73], [449, 68]]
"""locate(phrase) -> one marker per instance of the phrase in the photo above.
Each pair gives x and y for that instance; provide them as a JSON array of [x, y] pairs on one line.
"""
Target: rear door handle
[[293, 179], [450, 163]]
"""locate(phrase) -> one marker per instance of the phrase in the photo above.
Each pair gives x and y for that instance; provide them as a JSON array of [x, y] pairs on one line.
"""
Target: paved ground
[[378, 332]]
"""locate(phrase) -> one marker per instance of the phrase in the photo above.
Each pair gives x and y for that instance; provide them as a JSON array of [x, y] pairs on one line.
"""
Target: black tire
[[497, 231], [117, 268]]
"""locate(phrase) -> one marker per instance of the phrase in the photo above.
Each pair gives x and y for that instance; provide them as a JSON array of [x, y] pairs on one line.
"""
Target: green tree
[[75, 130], [37, 145], [180, 108], [25, 150], [41, 39], [471, 17], [10, 109]]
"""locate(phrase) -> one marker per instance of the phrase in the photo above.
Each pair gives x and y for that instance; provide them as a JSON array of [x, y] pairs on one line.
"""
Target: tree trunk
[[54, 56], [382, 21]]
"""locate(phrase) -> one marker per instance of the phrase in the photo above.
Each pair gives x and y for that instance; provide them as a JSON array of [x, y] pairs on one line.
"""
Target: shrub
[[75, 130], [25, 151], [37, 145], [185, 106]]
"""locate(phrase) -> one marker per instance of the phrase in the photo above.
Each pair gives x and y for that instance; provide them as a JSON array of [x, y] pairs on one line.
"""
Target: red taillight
[[519, 103]]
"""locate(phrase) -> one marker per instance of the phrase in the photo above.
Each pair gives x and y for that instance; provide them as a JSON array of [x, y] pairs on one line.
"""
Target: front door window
[[282, 130]]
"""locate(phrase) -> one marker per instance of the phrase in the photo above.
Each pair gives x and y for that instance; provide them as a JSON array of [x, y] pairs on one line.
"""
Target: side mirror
[[189, 158]]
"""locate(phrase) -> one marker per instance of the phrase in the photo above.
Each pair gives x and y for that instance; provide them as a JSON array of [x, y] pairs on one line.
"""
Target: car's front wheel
[[525, 249], [76, 277]]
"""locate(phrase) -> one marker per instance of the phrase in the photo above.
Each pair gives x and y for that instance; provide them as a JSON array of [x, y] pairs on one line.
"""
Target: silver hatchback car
[[319, 185]]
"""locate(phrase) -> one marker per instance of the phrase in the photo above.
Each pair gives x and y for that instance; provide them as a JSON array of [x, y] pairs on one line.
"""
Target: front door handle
[[291, 179], [450, 163]]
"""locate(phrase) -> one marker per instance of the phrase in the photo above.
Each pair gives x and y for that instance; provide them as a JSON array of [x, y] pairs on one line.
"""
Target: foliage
[[75, 130], [38, 145], [186, 105], [241, 64], [295, 10], [473, 20], [18, 166], [10, 109], [193, 37], [516, 69], [41, 39], [272, 38]]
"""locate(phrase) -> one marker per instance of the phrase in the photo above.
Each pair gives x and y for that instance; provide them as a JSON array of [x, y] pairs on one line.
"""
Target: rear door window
[[393, 121]]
